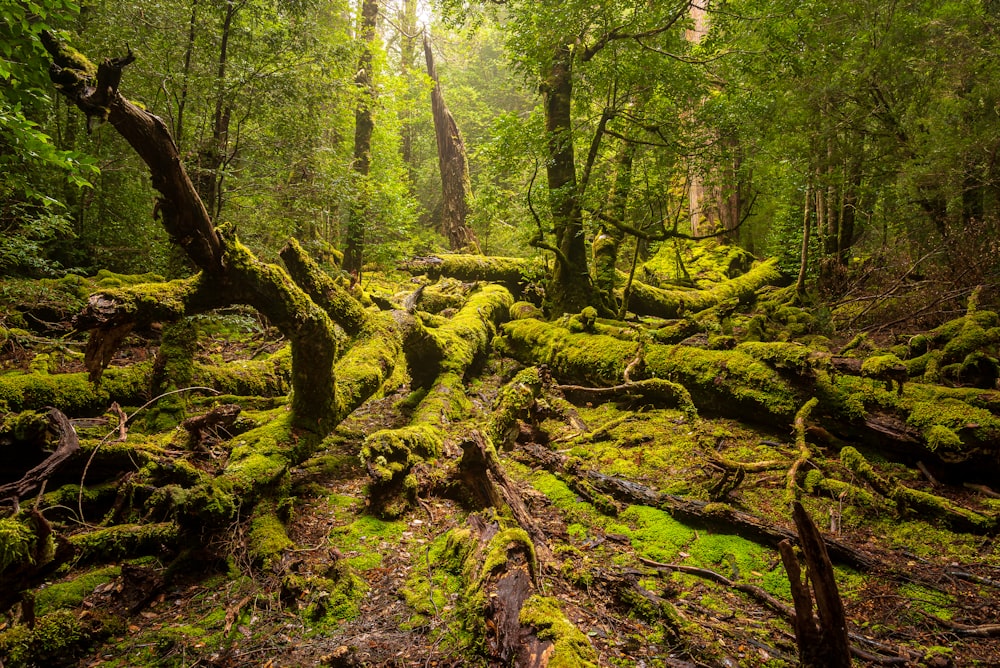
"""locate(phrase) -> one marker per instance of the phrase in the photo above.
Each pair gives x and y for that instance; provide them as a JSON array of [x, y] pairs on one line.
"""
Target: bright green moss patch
[[572, 648], [17, 543], [365, 539], [71, 593]]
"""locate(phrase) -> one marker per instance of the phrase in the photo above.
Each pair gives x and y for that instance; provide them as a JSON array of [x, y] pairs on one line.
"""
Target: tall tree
[[364, 126], [456, 190]]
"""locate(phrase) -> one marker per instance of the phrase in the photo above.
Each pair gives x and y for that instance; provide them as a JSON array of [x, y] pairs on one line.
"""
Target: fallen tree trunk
[[648, 300], [765, 383], [514, 273], [390, 454]]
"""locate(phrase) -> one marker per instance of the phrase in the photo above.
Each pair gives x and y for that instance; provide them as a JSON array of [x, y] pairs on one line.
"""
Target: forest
[[499, 333]]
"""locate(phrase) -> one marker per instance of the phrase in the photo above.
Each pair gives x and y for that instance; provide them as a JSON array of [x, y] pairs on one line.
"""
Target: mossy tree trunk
[[236, 275], [570, 289], [609, 238]]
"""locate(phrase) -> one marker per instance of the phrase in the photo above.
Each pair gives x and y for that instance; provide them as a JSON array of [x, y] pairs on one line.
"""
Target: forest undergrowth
[[641, 494]]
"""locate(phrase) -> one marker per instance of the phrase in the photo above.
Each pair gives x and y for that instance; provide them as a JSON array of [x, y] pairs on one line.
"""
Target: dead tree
[[233, 272], [456, 190]]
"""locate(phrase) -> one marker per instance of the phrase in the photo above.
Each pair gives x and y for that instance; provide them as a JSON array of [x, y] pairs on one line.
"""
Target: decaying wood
[[34, 479], [483, 473], [822, 638], [203, 429], [456, 189]]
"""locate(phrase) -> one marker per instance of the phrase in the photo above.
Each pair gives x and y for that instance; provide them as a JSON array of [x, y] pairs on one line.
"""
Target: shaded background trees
[[873, 124]]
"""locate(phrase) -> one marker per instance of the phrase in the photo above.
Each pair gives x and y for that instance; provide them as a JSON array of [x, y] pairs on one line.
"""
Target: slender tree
[[364, 126]]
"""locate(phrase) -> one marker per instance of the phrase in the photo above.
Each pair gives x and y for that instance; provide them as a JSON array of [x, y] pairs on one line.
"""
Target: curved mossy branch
[[95, 91], [237, 274], [270, 290], [111, 314], [344, 309], [648, 300]]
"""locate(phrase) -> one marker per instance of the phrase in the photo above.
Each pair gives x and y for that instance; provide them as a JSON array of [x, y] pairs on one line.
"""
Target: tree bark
[[570, 289], [364, 126], [230, 266], [456, 190]]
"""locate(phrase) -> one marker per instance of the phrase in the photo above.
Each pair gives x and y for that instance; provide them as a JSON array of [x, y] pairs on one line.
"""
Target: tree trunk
[[213, 156], [570, 289], [407, 53], [456, 190], [364, 126], [610, 237]]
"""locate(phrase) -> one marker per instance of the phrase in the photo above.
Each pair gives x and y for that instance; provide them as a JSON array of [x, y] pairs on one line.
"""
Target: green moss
[[877, 366], [495, 554], [56, 639], [73, 393], [364, 540], [513, 401], [17, 544], [125, 540], [267, 538], [71, 593], [572, 648], [940, 437]]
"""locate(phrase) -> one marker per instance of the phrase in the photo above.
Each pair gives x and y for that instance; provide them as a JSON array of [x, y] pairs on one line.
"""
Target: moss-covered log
[[914, 500], [390, 454], [767, 382], [75, 395], [648, 300], [729, 382], [514, 273]]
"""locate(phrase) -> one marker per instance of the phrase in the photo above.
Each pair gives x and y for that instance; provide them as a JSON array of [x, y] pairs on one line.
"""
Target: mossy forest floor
[[345, 587]]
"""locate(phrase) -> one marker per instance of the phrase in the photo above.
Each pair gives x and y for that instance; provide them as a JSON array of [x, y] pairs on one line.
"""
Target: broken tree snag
[[69, 443], [485, 477], [518, 626], [203, 430], [648, 300], [94, 90], [456, 189], [822, 638]]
